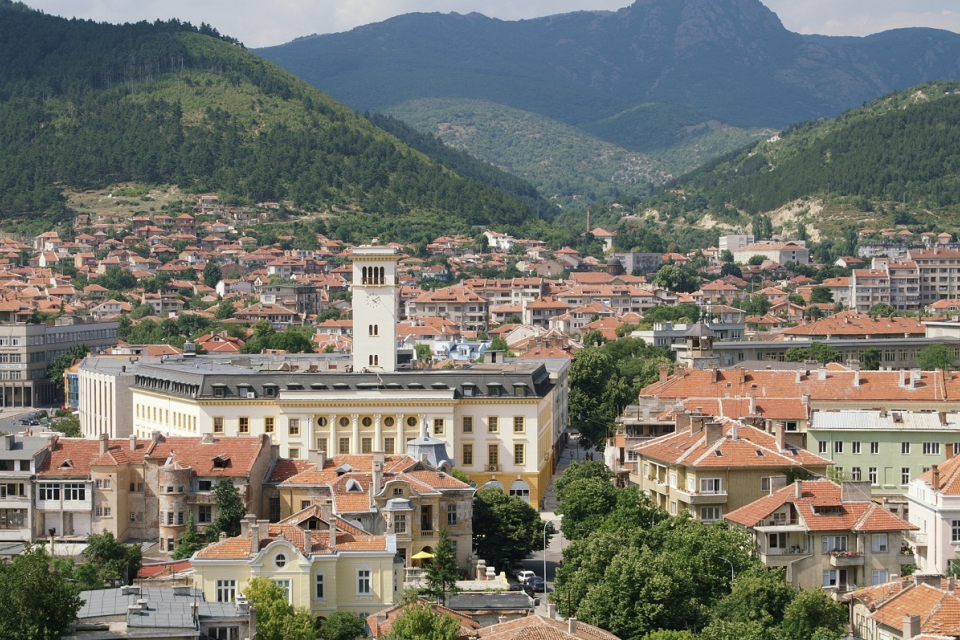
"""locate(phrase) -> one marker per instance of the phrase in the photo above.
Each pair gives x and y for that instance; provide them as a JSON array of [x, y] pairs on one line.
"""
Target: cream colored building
[[322, 562]]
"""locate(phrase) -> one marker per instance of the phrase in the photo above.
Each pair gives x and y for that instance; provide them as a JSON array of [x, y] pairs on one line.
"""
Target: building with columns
[[500, 421]]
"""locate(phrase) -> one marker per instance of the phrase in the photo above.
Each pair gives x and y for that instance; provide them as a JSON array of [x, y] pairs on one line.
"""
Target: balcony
[[906, 558], [846, 559], [918, 538], [703, 497], [201, 498]]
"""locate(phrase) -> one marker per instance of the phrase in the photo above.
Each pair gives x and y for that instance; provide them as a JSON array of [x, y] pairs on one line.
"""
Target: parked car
[[524, 575], [535, 584]]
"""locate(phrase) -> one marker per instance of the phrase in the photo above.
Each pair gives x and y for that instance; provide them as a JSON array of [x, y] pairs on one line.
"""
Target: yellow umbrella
[[423, 555]]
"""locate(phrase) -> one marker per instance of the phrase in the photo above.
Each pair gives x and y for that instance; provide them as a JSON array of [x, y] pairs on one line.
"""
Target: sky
[[261, 23]]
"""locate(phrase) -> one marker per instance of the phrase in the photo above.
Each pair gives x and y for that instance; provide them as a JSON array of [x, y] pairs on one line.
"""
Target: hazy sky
[[260, 23]]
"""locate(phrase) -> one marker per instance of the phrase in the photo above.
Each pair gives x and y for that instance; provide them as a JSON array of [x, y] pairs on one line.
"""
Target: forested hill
[[86, 105], [902, 150]]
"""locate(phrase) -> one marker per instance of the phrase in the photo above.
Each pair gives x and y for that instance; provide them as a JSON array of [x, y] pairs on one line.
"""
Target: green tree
[[731, 269], [60, 364], [585, 505], [36, 601], [663, 634], [870, 359], [882, 310], [756, 261], [442, 569], [759, 595], [190, 541], [811, 611], [230, 510], [676, 278], [69, 426], [505, 528], [821, 295], [721, 629], [424, 353], [934, 357], [755, 305], [115, 562], [225, 310], [341, 625], [421, 622], [726, 256], [211, 274], [142, 310], [276, 619], [592, 368]]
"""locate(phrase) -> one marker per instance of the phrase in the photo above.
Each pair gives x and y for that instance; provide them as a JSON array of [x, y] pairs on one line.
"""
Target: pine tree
[[443, 570], [190, 542]]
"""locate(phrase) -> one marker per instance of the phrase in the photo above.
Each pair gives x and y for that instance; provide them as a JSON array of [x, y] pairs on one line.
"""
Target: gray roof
[[700, 330], [165, 609], [24, 448], [868, 420], [431, 450], [496, 600]]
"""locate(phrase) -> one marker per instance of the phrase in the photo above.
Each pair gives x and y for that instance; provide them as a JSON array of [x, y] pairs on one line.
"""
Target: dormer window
[[221, 462], [66, 464], [353, 486]]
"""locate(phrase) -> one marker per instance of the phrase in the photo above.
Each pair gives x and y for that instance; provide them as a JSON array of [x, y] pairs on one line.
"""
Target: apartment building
[[934, 502], [869, 287], [939, 271], [459, 303], [827, 535], [710, 467], [27, 349], [924, 606], [20, 459], [779, 252]]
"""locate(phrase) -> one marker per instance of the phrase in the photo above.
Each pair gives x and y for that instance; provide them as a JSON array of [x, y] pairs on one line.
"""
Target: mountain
[[85, 105], [895, 160], [646, 78]]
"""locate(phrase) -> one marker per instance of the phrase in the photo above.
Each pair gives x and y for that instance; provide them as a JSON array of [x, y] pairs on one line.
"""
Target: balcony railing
[[846, 559]]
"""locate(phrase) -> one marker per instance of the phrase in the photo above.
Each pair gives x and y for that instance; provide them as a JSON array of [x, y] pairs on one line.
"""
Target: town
[[229, 403]]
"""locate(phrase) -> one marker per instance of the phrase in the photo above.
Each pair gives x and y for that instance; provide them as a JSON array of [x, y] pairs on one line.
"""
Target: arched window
[[363, 280], [374, 361], [520, 489], [383, 277]]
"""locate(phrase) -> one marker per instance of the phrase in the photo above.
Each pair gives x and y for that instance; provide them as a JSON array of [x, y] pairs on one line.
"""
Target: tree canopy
[[505, 528], [420, 622], [36, 601]]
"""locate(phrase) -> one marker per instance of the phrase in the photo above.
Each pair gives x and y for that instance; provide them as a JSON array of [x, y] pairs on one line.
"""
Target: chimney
[[798, 489], [935, 481], [246, 522], [911, 626], [317, 457], [799, 377], [376, 477], [822, 374], [781, 437], [949, 450], [805, 399], [930, 579], [332, 543], [856, 378], [133, 442], [903, 378], [104, 443], [664, 372], [714, 432], [854, 491], [714, 375], [326, 510], [734, 428], [572, 626], [307, 542], [255, 539], [753, 405], [501, 619]]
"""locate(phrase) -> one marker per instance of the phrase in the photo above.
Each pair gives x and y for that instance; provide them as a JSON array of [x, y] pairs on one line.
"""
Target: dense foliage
[[505, 528], [276, 618], [88, 105], [36, 601], [420, 622]]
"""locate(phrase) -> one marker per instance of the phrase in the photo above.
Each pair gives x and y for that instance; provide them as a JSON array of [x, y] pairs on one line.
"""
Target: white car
[[524, 575]]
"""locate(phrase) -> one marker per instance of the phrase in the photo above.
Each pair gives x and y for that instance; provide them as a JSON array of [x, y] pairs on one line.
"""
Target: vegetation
[[817, 352], [505, 528], [113, 562], [62, 362], [933, 357], [230, 510], [276, 618], [190, 541], [341, 625], [36, 601], [443, 571], [420, 622]]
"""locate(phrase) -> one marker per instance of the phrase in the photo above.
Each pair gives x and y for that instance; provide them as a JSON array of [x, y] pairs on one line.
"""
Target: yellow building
[[710, 468], [322, 562]]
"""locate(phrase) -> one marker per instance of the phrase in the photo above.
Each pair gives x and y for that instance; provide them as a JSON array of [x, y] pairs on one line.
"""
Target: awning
[[423, 555]]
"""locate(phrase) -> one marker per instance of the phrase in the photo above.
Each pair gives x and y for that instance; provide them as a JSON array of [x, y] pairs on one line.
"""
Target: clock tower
[[375, 308]]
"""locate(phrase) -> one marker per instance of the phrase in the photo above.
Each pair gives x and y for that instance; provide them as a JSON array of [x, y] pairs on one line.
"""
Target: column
[[377, 433], [401, 446], [332, 440], [355, 434], [424, 428]]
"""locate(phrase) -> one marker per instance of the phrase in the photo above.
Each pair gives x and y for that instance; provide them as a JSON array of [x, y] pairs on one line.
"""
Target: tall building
[[375, 301]]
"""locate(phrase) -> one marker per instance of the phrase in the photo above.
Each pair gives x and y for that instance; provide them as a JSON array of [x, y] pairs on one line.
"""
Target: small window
[[366, 445], [905, 448], [874, 448], [280, 560], [468, 455], [294, 452], [838, 446], [467, 424], [438, 426], [294, 427], [412, 421], [855, 446], [318, 581], [344, 421], [243, 425], [366, 421], [518, 424], [268, 425], [518, 454], [218, 425], [344, 446], [493, 424], [822, 446], [389, 445]]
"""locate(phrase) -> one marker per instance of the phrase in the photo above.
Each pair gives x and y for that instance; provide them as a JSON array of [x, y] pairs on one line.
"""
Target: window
[[218, 424], [74, 491], [318, 590], [878, 543], [905, 448], [467, 424], [709, 514], [673, 479], [226, 590], [878, 576], [931, 448], [833, 543], [518, 424], [874, 447], [205, 514], [467, 455], [451, 515], [855, 474], [493, 424], [855, 446], [293, 428], [366, 421], [389, 445], [955, 530], [518, 453], [285, 587], [243, 425], [294, 452], [344, 446], [366, 445], [280, 560], [822, 446], [170, 515], [438, 426], [322, 445], [673, 507], [321, 422], [363, 582], [904, 475], [493, 455], [838, 446], [710, 485], [832, 577], [49, 492], [872, 475], [179, 516], [344, 421], [399, 523], [204, 485], [412, 421], [764, 485], [398, 491]]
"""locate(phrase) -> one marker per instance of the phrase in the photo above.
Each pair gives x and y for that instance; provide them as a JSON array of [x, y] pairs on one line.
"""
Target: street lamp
[[732, 576], [545, 523]]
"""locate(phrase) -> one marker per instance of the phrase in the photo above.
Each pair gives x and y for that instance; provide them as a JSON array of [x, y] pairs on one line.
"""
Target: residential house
[[921, 606], [934, 502], [827, 535]]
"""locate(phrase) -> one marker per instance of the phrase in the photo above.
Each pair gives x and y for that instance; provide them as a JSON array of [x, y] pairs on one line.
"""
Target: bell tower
[[375, 308]]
